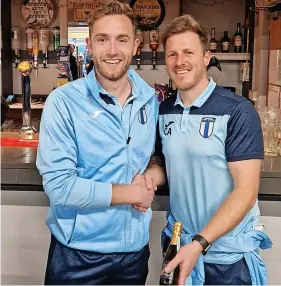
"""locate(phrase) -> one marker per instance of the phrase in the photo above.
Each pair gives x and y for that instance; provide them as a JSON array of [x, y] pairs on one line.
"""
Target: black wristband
[[204, 243]]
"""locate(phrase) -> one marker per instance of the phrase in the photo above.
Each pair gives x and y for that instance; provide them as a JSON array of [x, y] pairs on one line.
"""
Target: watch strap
[[204, 243]]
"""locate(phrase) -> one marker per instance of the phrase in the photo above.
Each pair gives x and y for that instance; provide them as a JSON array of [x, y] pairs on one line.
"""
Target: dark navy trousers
[[67, 266], [221, 274]]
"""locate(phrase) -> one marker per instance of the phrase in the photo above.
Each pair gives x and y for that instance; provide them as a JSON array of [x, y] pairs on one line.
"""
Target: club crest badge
[[142, 115], [207, 126]]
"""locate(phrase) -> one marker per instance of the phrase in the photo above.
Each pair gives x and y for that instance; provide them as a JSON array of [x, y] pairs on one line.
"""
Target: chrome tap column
[[25, 70]]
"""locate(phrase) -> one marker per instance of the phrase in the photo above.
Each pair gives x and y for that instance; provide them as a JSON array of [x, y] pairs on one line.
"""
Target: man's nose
[[180, 60], [112, 48]]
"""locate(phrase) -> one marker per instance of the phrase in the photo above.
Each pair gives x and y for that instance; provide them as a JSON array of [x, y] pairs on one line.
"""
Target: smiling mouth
[[112, 62], [184, 71]]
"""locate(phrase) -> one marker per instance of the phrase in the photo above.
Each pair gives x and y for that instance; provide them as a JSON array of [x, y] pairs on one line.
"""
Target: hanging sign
[[149, 13], [83, 11], [38, 13]]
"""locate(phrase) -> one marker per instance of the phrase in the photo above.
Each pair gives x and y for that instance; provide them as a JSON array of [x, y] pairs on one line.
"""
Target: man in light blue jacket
[[211, 144], [96, 137]]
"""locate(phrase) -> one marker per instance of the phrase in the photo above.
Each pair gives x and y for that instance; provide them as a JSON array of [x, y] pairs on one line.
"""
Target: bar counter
[[20, 177]]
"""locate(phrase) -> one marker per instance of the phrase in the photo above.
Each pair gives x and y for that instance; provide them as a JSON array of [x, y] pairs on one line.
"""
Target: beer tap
[[25, 70], [44, 44], [35, 52], [29, 43], [139, 36], [16, 44], [154, 45]]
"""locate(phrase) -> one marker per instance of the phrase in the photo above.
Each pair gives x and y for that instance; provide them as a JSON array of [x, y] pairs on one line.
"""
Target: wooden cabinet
[[275, 34]]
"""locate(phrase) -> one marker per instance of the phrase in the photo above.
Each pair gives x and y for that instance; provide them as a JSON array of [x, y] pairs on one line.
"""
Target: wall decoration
[[149, 13], [83, 11], [38, 13]]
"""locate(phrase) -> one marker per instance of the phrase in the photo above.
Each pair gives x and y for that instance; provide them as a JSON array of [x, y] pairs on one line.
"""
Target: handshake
[[143, 191]]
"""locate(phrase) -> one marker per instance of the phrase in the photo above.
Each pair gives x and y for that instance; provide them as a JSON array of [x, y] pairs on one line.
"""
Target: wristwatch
[[204, 243]]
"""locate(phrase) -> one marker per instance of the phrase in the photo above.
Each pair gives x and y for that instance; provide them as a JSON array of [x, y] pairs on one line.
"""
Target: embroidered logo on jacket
[[168, 129], [142, 115], [207, 126], [96, 113]]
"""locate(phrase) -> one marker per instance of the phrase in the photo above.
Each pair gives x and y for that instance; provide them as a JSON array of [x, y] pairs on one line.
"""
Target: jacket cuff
[[102, 195]]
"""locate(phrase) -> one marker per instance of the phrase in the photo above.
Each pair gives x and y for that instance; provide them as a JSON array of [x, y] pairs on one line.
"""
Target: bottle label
[[213, 46], [139, 35], [56, 31], [154, 37], [15, 35], [238, 41], [168, 277], [225, 46], [29, 41]]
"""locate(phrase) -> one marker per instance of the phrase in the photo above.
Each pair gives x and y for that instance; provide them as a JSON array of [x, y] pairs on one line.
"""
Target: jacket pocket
[[73, 229], [100, 225]]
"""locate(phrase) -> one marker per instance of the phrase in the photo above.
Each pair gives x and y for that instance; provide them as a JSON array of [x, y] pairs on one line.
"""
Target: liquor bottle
[[238, 39], [154, 45], [213, 42], [56, 38], [140, 36], [214, 62], [172, 277], [35, 52], [170, 91], [225, 43]]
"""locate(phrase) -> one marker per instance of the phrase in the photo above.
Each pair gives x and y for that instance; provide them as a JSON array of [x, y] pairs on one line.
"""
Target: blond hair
[[113, 8], [187, 23]]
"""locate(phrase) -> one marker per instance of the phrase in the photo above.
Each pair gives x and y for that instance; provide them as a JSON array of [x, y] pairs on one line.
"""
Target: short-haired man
[[212, 144], [96, 137]]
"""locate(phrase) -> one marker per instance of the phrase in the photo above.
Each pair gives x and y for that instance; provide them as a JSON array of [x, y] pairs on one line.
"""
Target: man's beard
[[115, 75], [183, 86]]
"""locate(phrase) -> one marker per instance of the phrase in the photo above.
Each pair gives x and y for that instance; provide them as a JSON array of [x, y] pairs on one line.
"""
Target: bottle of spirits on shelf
[[225, 43], [213, 42], [238, 39]]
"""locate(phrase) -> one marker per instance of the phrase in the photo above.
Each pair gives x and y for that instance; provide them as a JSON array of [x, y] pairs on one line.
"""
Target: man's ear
[[89, 46], [136, 44], [207, 58]]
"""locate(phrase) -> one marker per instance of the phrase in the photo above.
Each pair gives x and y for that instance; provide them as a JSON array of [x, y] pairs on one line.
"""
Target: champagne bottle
[[238, 39], [213, 42], [172, 277]]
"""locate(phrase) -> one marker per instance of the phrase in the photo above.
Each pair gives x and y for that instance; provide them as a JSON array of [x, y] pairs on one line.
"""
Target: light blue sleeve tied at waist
[[243, 245]]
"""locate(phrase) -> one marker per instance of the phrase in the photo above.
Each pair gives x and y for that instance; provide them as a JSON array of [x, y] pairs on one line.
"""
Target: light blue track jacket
[[83, 150]]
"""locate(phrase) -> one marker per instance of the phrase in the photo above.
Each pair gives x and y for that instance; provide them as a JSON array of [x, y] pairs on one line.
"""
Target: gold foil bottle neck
[[177, 227]]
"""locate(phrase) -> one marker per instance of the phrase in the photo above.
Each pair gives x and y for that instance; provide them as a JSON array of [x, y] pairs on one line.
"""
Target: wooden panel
[[275, 34]]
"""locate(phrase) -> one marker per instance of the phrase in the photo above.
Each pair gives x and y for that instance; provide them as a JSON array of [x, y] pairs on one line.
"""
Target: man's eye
[[171, 55], [101, 40], [123, 40]]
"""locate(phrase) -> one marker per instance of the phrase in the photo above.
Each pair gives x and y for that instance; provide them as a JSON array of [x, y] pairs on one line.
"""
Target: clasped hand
[[144, 190]]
